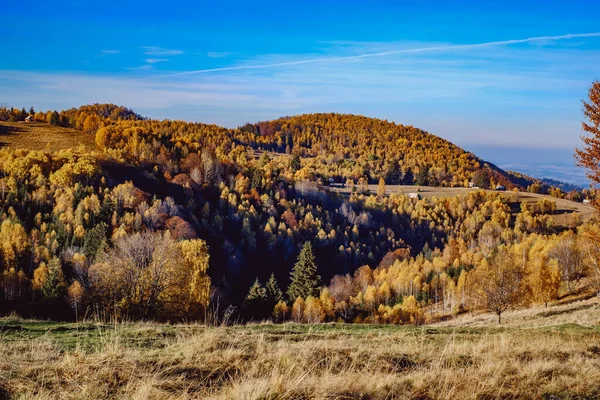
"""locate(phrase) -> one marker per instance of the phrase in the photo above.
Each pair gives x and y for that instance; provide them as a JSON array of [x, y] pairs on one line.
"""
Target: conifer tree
[[273, 292], [255, 306], [304, 278], [295, 164], [256, 292]]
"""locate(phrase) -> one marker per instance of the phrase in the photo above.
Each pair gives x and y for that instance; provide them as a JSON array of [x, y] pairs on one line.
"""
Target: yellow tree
[[298, 309], [13, 241], [313, 310], [499, 285], [195, 254], [544, 279], [75, 292], [381, 188]]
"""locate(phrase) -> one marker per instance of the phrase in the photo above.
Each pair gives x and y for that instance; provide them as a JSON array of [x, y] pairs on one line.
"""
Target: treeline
[[498, 271]]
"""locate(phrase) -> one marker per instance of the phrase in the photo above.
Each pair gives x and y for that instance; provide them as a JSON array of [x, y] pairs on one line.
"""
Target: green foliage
[[54, 118], [304, 280], [256, 292], [273, 292]]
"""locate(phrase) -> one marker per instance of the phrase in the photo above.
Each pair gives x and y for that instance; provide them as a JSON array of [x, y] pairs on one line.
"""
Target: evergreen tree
[[255, 306], [273, 292], [408, 178], [256, 292], [55, 118], [304, 278], [296, 163], [256, 179], [54, 287], [393, 175], [422, 176]]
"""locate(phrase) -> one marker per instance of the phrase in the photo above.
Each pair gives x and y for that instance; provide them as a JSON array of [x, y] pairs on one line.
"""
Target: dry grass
[[152, 361], [40, 136]]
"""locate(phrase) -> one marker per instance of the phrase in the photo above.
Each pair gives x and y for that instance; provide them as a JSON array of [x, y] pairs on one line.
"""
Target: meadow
[[539, 353], [42, 136]]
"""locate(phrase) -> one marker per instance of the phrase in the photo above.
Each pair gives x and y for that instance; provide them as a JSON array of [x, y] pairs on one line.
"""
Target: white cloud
[[110, 52], [437, 49], [519, 95], [217, 54], [155, 60], [159, 51]]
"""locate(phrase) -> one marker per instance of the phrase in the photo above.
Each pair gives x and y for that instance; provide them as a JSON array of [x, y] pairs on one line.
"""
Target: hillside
[[231, 211], [333, 146], [42, 136], [357, 145]]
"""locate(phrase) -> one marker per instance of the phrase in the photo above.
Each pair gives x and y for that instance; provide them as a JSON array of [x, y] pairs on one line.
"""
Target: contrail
[[385, 53]]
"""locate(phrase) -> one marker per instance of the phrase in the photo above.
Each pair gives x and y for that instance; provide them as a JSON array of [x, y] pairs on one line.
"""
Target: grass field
[[539, 359], [40, 136], [565, 209]]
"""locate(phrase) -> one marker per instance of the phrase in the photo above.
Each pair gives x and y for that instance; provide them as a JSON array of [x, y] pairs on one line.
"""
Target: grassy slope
[[564, 208], [530, 357], [40, 136]]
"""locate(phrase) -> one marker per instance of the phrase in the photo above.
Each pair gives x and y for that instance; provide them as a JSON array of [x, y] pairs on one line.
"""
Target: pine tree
[[256, 292], [296, 165], [304, 278], [255, 307], [54, 286], [273, 292], [54, 118]]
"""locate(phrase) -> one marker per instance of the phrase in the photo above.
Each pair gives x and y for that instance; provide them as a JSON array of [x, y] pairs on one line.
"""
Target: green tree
[[55, 286], [255, 305], [55, 118], [256, 292], [273, 292], [422, 176], [295, 164], [481, 179], [304, 278]]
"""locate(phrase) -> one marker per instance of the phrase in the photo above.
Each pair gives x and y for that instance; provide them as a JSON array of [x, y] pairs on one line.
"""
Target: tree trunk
[[499, 318]]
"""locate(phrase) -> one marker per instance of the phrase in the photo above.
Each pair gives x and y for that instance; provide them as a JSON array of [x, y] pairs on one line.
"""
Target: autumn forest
[[295, 219]]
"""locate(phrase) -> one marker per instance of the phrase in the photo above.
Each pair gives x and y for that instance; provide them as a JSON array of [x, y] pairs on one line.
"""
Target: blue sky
[[232, 62]]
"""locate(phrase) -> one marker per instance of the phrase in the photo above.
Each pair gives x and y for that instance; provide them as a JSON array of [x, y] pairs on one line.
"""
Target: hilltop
[[348, 144]]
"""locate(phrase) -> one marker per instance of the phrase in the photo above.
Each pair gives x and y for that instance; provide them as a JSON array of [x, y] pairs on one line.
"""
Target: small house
[[586, 201], [500, 187], [413, 195], [28, 119]]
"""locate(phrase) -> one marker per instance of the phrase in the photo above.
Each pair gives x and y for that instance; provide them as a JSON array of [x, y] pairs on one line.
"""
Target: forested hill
[[353, 145], [73, 220], [337, 146]]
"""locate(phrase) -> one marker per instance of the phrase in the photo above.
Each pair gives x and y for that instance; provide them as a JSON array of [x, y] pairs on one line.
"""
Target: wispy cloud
[[160, 51], [155, 60], [107, 52], [217, 54], [390, 52]]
